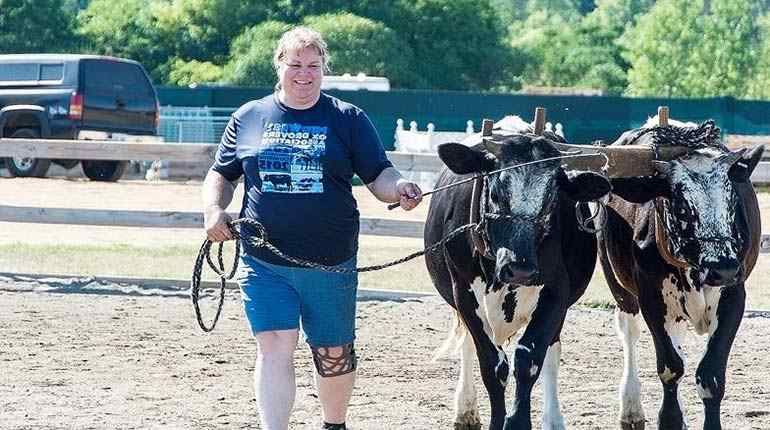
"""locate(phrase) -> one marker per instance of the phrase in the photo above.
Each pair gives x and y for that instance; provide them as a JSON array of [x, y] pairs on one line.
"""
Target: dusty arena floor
[[79, 356]]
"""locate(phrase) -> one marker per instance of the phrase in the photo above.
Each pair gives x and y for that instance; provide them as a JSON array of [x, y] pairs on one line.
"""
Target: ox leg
[[670, 360], [465, 404], [710, 376], [631, 411], [530, 354], [552, 417], [493, 363]]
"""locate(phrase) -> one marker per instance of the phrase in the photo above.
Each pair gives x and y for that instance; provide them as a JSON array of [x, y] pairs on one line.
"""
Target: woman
[[297, 150]]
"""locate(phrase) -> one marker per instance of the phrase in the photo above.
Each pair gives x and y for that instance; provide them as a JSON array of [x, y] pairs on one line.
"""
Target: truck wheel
[[25, 166], [104, 170]]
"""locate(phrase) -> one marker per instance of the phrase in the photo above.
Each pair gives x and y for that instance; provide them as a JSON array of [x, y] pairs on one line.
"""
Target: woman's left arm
[[391, 187]]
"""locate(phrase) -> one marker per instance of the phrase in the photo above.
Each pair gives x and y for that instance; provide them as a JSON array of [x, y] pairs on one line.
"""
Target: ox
[[677, 247], [533, 262]]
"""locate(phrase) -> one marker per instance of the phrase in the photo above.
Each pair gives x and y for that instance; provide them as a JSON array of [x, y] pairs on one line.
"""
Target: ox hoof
[[467, 426], [637, 425]]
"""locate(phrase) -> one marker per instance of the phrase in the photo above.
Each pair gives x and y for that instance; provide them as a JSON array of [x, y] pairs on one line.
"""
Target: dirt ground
[[79, 355], [83, 356]]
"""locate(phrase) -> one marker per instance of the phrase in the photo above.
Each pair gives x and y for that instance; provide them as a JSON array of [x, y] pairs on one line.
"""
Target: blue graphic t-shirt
[[297, 167]]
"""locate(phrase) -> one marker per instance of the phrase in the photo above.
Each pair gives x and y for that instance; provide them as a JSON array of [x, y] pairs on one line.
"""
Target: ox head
[[520, 206], [697, 203]]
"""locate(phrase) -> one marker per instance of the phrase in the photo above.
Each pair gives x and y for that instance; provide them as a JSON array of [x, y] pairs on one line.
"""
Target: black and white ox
[[678, 247], [534, 262]]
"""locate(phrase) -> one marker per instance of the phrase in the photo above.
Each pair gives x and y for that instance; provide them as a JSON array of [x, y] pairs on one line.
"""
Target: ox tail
[[456, 337]]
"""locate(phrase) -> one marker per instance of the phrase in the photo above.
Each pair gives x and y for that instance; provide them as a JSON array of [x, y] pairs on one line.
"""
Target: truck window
[[115, 78], [51, 72], [25, 72], [98, 79], [132, 83], [18, 72]]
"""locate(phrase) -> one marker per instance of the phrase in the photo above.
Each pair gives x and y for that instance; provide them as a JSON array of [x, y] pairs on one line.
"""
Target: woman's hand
[[215, 221], [410, 194]]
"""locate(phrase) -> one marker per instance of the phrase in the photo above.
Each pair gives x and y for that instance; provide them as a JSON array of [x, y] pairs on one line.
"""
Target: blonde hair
[[297, 39]]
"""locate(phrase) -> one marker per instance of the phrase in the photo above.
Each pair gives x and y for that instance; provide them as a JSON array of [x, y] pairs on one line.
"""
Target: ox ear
[[640, 190], [741, 170], [584, 186], [462, 159]]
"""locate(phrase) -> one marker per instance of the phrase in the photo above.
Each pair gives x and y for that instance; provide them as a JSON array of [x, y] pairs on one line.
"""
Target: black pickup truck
[[68, 96]]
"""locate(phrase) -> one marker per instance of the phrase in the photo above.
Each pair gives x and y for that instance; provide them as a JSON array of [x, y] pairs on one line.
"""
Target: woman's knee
[[277, 343]]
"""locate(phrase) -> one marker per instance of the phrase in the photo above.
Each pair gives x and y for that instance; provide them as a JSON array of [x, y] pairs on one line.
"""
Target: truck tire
[[104, 170], [25, 166]]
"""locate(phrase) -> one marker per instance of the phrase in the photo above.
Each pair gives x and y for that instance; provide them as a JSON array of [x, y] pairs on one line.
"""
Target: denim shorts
[[279, 298]]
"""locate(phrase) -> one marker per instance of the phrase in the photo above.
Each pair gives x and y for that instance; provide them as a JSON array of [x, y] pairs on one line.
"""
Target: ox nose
[[511, 269], [723, 273]]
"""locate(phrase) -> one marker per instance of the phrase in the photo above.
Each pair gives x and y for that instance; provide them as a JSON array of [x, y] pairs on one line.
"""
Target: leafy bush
[[251, 55], [193, 72]]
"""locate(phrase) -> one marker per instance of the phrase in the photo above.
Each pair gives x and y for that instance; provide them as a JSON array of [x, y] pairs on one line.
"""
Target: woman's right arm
[[217, 195]]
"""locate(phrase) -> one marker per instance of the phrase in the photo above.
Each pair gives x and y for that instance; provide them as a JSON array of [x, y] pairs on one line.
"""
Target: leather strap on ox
[[478, 243], [662, 237]]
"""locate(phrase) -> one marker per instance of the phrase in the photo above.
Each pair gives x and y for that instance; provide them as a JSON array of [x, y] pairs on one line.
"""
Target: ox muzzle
[[516, 269]]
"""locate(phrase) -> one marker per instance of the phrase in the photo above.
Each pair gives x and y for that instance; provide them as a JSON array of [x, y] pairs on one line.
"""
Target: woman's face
[[300, 75]]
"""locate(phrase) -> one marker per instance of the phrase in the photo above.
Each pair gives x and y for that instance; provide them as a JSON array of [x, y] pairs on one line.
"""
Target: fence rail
[[184, 152], [108, 150], [170, 219], [105, 150]]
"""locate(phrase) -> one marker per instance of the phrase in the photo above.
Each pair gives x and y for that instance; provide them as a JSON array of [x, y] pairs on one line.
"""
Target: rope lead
[[259, 240]]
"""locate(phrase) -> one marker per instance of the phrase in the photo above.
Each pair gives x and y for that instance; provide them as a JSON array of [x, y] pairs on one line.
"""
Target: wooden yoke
[[663, 116], [628, 160], [539, 120], [486, 127]]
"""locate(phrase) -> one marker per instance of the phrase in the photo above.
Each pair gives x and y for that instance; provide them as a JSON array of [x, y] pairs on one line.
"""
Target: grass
[[177, 262]]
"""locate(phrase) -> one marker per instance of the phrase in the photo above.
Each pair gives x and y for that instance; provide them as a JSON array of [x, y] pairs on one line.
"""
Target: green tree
[[569, 9], [544, 42], [360, 45], [190, 73], [356, 45], [660, 47], [682, 48], [459, 44], [758, 86], [129, 31], [251, 55], [204, 29], [511, 11], [728, 53], [295, 11], [35, 26], [573, 51]]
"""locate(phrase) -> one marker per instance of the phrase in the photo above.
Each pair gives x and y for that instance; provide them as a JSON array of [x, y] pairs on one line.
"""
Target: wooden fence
[[193, 153]]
